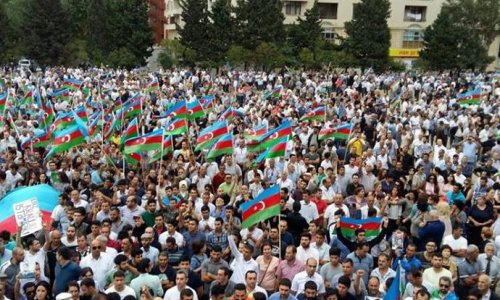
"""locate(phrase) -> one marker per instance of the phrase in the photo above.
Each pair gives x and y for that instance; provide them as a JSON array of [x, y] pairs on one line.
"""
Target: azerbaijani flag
[[207, 102], [266, 205], [131, 132], [44, 194], [3, 101], [40, 140], [230, 113], [469, 98], [176, 126], [72, 84], [63, 120], [341, 132], [370, 225], [278, 150], [48, 116], [144, 143], [208, 136], [317, 114], [133, 109], [132, 158], [178, 110], [273, 136], [66, 139], [62, 94], [81, 112], [166, 148], [256, 133], [224, 145], [194, 110], [28, 98], [153, 86]]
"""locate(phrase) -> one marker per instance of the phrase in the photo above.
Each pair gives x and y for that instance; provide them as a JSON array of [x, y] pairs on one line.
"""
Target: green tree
[[4, 30], [259, 21], [368, 35], [45, 29], [130, 30], [194, 33], [307, 32], [221, 31], [453, 42], [98, 35]]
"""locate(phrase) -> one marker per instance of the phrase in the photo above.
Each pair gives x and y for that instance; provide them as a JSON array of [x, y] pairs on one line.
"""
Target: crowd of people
[[172, 229]]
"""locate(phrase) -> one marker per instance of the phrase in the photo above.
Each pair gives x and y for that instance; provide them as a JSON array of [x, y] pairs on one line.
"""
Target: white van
[[24, 63]]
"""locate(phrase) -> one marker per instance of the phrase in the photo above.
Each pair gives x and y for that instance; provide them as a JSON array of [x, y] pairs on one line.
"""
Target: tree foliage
[[45, 29], [368, 35], [307, 32], [221, 31], [459, 38], [259, 21], [194, 32]]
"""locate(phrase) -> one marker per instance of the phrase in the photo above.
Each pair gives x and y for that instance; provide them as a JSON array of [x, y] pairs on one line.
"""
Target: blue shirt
[[452, 197], [69, 272], [276, 296]]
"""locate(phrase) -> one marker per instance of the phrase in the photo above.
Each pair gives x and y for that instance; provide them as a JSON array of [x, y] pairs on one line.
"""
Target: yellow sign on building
[[403, 52]]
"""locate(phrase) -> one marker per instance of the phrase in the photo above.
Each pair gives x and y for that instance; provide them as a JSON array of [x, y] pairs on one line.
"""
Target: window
[[292, 8], [328, 10], [328, 34], [413, 38], [415, 13]]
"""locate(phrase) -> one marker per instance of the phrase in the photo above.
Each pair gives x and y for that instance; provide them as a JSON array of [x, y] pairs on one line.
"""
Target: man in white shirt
[[251, 283], [98, 261], [171, 232], [119, 286], [300, 279], [434, 273], [457, 243], [305, 251], [251, 235], [322, 247], [308, 209], [243, 262], [207, 222], [180, 284]]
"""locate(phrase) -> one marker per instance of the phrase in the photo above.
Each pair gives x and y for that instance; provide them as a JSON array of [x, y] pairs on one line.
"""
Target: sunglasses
[[96, 248]]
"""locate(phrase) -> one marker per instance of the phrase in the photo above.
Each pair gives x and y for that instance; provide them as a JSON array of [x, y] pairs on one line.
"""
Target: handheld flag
[[224, 145], [370, 225], [176, 126], [194, 110], [317, 114], [147, 142], [277, 150], [66, 139], [341, 132], [210, 135], [263, 207], [469, 98]]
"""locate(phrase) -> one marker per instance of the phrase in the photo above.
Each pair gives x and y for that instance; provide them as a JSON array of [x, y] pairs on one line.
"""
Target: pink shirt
[[288, 270]]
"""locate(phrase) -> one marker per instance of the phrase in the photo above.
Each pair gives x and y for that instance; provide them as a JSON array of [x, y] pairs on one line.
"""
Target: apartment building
[[407, 23]]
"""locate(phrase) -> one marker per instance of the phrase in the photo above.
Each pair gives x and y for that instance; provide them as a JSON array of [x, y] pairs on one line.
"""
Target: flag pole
[[347, 142], [279, 235]]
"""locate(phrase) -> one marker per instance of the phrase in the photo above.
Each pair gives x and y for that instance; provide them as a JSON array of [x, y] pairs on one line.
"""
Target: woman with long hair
[[43, 291], [268, 264]]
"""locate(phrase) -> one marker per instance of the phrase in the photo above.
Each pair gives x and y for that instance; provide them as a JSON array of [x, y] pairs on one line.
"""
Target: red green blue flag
[[273, 136], [166, 148], [72, 84], [207, 102], [266, 205], [278, 150], [28, 98], [3, 101], [148, 142], [397, 287], [317, 114], [370, 225], [176, 126], [66, 139], [208, 136], [178, 110], [469, 98], [194, 110], [131, 132], [341, 132], [224, 145]]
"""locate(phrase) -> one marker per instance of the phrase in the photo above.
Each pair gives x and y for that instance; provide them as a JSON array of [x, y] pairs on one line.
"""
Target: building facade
[[407, 23]]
